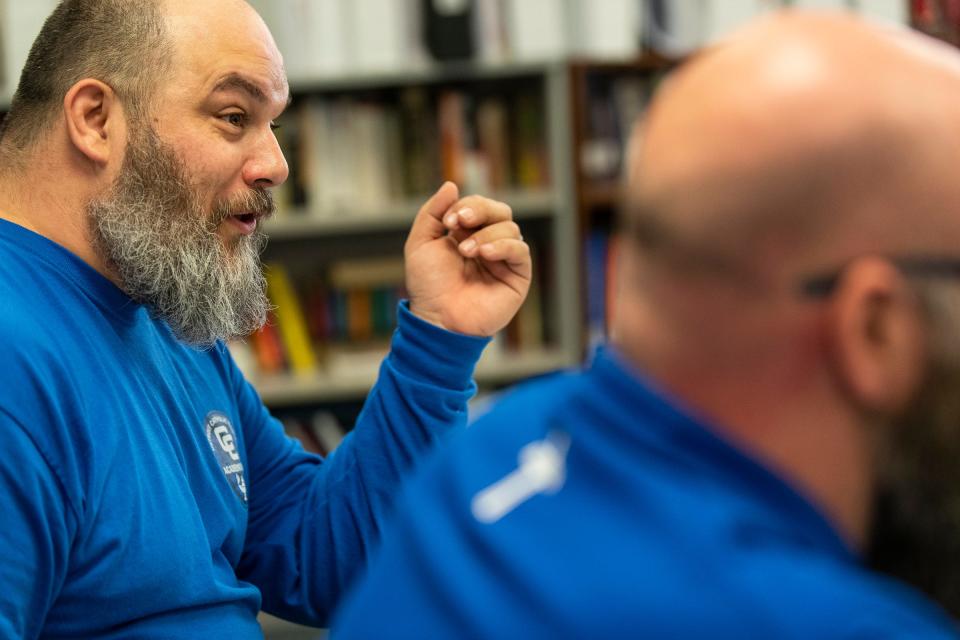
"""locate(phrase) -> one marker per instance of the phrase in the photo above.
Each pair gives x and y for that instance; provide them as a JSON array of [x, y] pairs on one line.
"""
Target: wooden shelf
[[601, 195], [345, 381], [397, 215], [647, 62], [427, 73], [469, 71]]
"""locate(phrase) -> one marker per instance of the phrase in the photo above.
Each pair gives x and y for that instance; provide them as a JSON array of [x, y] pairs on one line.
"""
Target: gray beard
[[153, 234]]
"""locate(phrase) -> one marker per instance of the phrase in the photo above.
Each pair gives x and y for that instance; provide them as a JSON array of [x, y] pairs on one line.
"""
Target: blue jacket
[[145, 491], [589, 506]]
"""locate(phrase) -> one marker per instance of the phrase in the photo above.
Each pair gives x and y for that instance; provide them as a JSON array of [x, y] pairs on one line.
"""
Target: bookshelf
[[353, 381], [311, 238], [606, 99], [393, 216]]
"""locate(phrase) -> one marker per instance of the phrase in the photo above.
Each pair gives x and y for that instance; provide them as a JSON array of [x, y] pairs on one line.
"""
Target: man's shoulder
[[817, 595]]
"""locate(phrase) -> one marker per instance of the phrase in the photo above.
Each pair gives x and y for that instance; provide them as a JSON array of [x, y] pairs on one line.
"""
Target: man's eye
[[235, 119]]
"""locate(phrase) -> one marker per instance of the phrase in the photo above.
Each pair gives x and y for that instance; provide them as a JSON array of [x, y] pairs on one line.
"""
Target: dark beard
[[153, 234], [916, 526]]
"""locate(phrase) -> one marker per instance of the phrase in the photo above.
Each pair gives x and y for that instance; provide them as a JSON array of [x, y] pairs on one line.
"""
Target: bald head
[[805, 138], [201, 27]]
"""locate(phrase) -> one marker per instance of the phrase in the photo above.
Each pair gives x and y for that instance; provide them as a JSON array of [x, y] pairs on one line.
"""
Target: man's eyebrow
[[235, 81]]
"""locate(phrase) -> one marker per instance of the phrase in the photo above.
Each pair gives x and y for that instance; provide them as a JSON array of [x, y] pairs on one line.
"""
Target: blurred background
[[526, 101]]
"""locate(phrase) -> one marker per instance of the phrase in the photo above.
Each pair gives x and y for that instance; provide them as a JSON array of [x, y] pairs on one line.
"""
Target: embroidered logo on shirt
[[542, 469], [223, 441]]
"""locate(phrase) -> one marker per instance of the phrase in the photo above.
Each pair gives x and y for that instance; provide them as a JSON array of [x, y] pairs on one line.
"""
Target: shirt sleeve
[[312, 522], [36, 534]]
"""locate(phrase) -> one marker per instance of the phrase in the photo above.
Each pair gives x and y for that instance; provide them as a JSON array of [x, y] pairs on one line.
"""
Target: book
[[326, 431], [529, 143], [596, 263], [311, 35], [377, 32], [490, 31], [605, 29], [611, 294], [366, 272], [359, 315], [242, 353], [493, 143], [527, 330], [451, 119], [291, 322], [537, 29], [420, 141], [296, 429], [268, 347]]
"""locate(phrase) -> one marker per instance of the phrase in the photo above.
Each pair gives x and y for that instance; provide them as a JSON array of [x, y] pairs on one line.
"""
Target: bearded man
[[770, 448], [145, 490]]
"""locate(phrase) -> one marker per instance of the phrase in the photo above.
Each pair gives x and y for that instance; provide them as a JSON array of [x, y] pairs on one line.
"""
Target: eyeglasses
[[821, 286]]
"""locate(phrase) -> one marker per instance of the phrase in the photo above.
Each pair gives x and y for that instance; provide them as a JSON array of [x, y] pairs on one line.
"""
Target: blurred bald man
[[774, 432]]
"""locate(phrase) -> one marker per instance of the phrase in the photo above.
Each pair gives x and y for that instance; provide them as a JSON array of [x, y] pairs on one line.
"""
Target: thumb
[[428, 225]]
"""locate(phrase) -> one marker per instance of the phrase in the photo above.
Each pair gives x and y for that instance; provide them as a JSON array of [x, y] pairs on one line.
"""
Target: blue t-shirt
[[145, 491], [589, 506]]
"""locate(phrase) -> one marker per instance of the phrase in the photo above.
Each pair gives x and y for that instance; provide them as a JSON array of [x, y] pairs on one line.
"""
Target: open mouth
[[246, 223]]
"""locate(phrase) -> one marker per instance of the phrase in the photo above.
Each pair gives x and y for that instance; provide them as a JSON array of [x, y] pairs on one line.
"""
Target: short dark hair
[[123, 43]]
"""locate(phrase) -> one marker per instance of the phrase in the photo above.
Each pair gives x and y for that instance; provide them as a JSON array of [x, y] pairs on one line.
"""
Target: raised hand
[[467, 267]]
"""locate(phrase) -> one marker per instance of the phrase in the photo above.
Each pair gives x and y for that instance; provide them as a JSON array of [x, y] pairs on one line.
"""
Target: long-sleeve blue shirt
[[590, 506], [145, 491]]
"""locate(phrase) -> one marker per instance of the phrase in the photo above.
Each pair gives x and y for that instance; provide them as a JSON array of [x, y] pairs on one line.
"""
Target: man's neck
[[51, 209], [778, 408]]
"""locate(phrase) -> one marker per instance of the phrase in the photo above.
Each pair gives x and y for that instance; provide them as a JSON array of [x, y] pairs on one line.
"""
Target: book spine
[[290, 320]]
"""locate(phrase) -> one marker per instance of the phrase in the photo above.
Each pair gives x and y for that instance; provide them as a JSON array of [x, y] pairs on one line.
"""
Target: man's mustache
[[257, 201]]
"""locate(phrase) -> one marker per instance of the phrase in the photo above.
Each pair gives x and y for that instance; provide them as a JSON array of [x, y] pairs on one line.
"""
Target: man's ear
[[95, 120], [878, 337]]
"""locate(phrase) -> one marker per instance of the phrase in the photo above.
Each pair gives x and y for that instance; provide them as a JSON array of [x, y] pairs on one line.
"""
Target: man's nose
[[266, 167]]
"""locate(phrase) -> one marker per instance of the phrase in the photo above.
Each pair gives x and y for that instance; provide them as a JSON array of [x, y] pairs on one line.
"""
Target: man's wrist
[[427, 316], [424, 349]]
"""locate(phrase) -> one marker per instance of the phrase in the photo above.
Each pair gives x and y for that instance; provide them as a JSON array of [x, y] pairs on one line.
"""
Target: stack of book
[[353, 307], [346, 318], [351, 156], [613, 106], [600, 259]]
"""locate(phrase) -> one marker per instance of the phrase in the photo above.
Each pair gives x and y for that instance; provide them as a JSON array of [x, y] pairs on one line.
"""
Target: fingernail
[[466, 215], [450, 220], [468, 245]]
